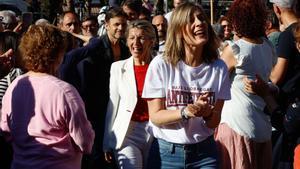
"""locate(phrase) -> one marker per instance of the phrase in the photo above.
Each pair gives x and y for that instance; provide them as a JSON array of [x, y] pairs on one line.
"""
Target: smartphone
[[27, 18]]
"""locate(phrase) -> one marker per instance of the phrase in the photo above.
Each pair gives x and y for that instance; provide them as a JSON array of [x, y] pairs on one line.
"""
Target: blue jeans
[[165, 155]]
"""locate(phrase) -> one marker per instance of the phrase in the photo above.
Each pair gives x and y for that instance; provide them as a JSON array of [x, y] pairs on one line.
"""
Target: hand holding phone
[[27, 18]]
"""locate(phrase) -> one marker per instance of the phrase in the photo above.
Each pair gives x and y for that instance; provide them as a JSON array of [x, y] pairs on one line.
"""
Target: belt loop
[[172, 148]]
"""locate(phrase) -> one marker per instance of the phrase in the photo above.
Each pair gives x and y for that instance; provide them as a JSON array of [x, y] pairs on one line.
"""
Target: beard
[[161, 34]]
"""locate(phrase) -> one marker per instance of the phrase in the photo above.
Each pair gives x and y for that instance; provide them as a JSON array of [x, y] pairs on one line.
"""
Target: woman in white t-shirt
[[186, 88]]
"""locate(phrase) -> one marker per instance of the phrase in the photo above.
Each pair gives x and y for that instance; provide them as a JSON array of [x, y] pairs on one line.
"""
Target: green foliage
[[50, 9]]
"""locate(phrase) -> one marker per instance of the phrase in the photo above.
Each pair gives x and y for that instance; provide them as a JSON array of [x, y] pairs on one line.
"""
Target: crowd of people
[[136, 89]]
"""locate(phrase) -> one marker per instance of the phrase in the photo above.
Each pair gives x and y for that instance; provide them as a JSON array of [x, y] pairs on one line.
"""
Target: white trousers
[[134, 151]]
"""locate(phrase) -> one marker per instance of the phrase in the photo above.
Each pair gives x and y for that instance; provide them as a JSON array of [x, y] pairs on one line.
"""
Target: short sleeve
[[155, 80], [236, 53], [285, 44]]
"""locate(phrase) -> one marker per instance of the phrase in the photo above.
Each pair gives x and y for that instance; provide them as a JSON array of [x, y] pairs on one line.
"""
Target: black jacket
[[88, 69]]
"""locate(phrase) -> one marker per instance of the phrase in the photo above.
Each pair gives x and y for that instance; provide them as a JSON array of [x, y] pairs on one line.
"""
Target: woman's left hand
[[204, 107]]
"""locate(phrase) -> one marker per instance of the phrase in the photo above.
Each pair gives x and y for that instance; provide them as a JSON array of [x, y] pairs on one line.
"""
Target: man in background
[[8, 19], [89, 26], [69, 22], [176, 3], [88, 70], [161, 24]]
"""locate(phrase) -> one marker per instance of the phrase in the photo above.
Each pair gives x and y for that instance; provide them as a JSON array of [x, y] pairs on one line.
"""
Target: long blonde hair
[[174, 48]]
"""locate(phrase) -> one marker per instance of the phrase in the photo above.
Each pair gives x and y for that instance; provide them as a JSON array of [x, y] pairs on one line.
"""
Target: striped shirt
[[6, 81]]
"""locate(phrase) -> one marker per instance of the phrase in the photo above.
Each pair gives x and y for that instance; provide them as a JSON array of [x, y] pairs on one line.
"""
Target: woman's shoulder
[[121, 63], [218, 66], [61, 90], [234, 46], [219, 63], [159, 60], [54, 84]]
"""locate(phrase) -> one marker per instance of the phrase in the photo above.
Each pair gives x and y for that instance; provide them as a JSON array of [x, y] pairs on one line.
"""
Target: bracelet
[[183, 114]]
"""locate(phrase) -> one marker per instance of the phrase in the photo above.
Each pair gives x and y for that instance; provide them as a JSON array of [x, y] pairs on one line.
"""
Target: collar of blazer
[[128, 75]]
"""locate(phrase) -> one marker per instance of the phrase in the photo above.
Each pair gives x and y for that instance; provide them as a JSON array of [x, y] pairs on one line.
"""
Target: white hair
[[8, 18], [42, 21]]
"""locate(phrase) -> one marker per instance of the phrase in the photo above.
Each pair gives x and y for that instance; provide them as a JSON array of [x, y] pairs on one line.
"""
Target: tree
[[50, 9]]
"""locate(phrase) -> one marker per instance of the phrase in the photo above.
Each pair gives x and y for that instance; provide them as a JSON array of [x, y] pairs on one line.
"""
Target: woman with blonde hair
[[126, 137], [185, 89]]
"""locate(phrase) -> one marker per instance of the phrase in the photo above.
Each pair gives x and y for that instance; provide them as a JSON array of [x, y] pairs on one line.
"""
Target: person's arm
[[159, 115], [79, 127], [86, 39], [5, 117], [213, 119], [285, 52], [262, 89], [228, 57], [19, 27], [279, 70]]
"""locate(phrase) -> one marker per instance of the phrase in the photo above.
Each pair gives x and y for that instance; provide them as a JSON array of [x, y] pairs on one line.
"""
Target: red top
[[140, 113]]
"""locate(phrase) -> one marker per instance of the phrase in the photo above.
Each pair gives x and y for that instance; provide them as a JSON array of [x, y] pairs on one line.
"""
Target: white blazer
[[122, 102]]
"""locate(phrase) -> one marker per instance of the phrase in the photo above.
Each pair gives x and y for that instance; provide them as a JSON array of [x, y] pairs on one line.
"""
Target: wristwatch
[[183, 114]]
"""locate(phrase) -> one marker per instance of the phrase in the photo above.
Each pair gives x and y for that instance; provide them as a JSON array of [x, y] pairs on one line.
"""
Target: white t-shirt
[[182, 85], [244, 112]]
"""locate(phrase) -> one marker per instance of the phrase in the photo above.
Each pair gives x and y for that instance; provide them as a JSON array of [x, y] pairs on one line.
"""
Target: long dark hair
[[9, 40]]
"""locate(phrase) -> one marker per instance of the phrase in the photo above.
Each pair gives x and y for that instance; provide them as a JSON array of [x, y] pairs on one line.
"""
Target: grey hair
[[8, 19], [144, 25], [42, 21]]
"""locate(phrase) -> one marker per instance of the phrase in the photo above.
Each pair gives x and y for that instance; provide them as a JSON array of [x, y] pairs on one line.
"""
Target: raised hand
[[5, 62]]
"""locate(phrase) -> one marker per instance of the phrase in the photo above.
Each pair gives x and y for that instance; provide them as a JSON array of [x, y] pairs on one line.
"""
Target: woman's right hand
[[257, 86], [6, 57], [108, 156], [201, 108]]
